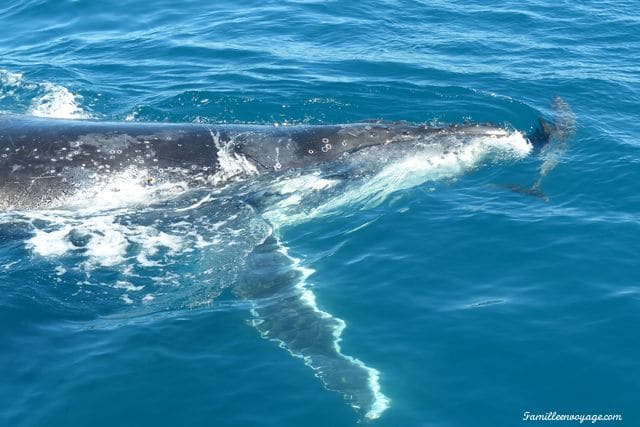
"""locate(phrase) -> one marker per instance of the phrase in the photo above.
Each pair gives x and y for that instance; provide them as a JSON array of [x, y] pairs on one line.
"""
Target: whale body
[[44, 162]]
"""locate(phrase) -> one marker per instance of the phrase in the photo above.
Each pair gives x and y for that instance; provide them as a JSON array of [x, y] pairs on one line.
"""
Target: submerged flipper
[[527, 191], [285, 311]]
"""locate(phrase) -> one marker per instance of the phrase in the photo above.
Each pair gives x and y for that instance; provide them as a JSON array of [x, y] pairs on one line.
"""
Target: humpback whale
[[281, 174]]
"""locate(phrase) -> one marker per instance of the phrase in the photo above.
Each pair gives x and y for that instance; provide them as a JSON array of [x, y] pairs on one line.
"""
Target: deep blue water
[[474, 303]]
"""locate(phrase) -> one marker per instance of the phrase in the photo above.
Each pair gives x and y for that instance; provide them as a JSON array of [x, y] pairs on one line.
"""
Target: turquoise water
[[475, 304]]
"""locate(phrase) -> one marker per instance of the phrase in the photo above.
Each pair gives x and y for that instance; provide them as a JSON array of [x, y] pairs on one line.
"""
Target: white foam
[[196, 205], [130, 287], [131, 116], [51, 243], [123, 189], [9, 79], [151, 242], [10, 83], [58, 102], [53, 100], [230, 163], [108, 243]]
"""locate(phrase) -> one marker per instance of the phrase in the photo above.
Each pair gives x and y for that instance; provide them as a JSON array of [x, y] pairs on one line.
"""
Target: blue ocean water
[[473, 303]]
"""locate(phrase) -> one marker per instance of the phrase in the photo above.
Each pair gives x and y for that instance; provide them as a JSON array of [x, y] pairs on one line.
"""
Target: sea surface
[[467, 303]]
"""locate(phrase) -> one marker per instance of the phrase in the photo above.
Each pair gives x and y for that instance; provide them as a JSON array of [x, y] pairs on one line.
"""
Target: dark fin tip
[[560, 128]]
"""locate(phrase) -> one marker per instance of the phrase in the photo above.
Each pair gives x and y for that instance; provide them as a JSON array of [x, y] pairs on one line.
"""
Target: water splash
[[58, 102], [41, 99]]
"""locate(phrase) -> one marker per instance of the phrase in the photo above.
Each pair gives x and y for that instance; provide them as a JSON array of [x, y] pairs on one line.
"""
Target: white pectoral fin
[[285, 311]]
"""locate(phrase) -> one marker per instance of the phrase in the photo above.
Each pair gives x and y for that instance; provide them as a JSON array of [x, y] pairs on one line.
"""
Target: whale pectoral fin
[[285, 311], [533, 191]]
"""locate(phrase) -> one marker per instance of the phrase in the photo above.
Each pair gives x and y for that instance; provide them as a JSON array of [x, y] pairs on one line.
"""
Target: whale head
[[288, 149]]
